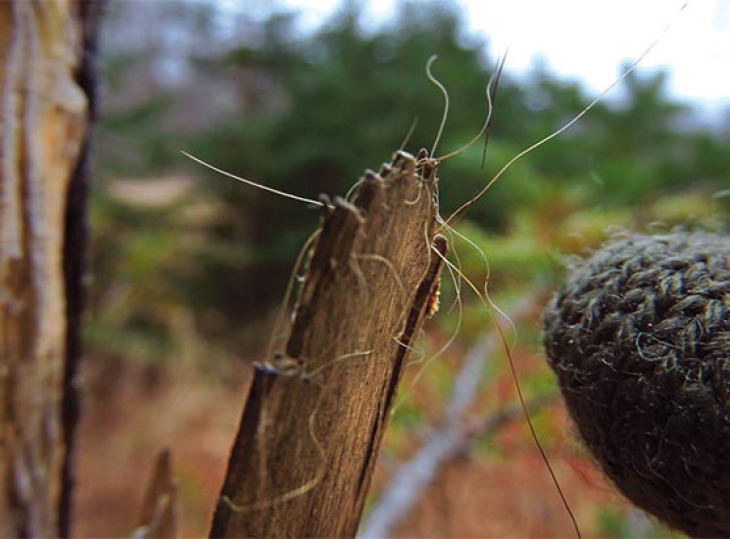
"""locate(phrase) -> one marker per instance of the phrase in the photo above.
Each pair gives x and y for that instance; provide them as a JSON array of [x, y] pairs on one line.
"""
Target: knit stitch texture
[[639, 338]]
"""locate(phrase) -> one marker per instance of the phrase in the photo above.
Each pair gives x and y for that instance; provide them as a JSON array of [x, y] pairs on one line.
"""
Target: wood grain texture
[[309, 436], [43, 118]]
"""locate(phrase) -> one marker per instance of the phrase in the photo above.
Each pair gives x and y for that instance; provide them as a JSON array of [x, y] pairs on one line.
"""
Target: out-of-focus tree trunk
[[44, 114]]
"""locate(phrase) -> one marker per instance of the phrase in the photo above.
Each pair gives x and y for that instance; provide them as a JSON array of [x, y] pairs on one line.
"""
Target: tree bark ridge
[[43, 113]]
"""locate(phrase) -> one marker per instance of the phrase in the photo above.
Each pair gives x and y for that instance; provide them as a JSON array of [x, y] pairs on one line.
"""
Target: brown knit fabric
[[639, 338]]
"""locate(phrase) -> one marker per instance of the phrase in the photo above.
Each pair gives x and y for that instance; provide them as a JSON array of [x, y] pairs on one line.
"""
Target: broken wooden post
[[315, 416]]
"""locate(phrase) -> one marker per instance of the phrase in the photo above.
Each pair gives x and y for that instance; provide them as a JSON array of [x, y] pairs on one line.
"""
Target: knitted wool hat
[[639, 338]]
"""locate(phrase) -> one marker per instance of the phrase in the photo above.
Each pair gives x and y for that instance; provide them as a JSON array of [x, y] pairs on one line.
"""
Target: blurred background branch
[[450, 439]]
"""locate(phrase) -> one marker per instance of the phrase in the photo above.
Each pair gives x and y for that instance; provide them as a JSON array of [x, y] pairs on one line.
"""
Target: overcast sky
[[588, 39]]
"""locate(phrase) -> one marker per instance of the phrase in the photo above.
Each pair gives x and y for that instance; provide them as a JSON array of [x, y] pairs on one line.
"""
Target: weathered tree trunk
[[44, 116], [315, 417]]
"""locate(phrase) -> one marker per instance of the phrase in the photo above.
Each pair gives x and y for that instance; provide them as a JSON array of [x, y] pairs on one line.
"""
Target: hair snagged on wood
[[639, 338]]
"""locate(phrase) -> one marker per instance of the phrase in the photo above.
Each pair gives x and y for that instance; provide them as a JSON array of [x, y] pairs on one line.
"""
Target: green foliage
[[617, 523], [308, 113]]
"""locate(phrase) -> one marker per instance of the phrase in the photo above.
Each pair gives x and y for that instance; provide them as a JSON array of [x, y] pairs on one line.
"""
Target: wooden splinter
[[305, 450]]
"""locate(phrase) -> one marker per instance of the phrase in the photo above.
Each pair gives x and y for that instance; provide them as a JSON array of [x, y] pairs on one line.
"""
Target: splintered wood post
[[315, 416]]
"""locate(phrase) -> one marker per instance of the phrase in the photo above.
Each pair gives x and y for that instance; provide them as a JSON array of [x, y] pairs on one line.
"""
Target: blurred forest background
[[189, 267]]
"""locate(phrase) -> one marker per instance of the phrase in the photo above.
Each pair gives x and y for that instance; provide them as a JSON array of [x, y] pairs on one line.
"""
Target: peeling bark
[[44, 116]]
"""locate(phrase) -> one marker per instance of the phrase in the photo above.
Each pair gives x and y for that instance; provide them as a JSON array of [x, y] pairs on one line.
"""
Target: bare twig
[[159, 516]]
